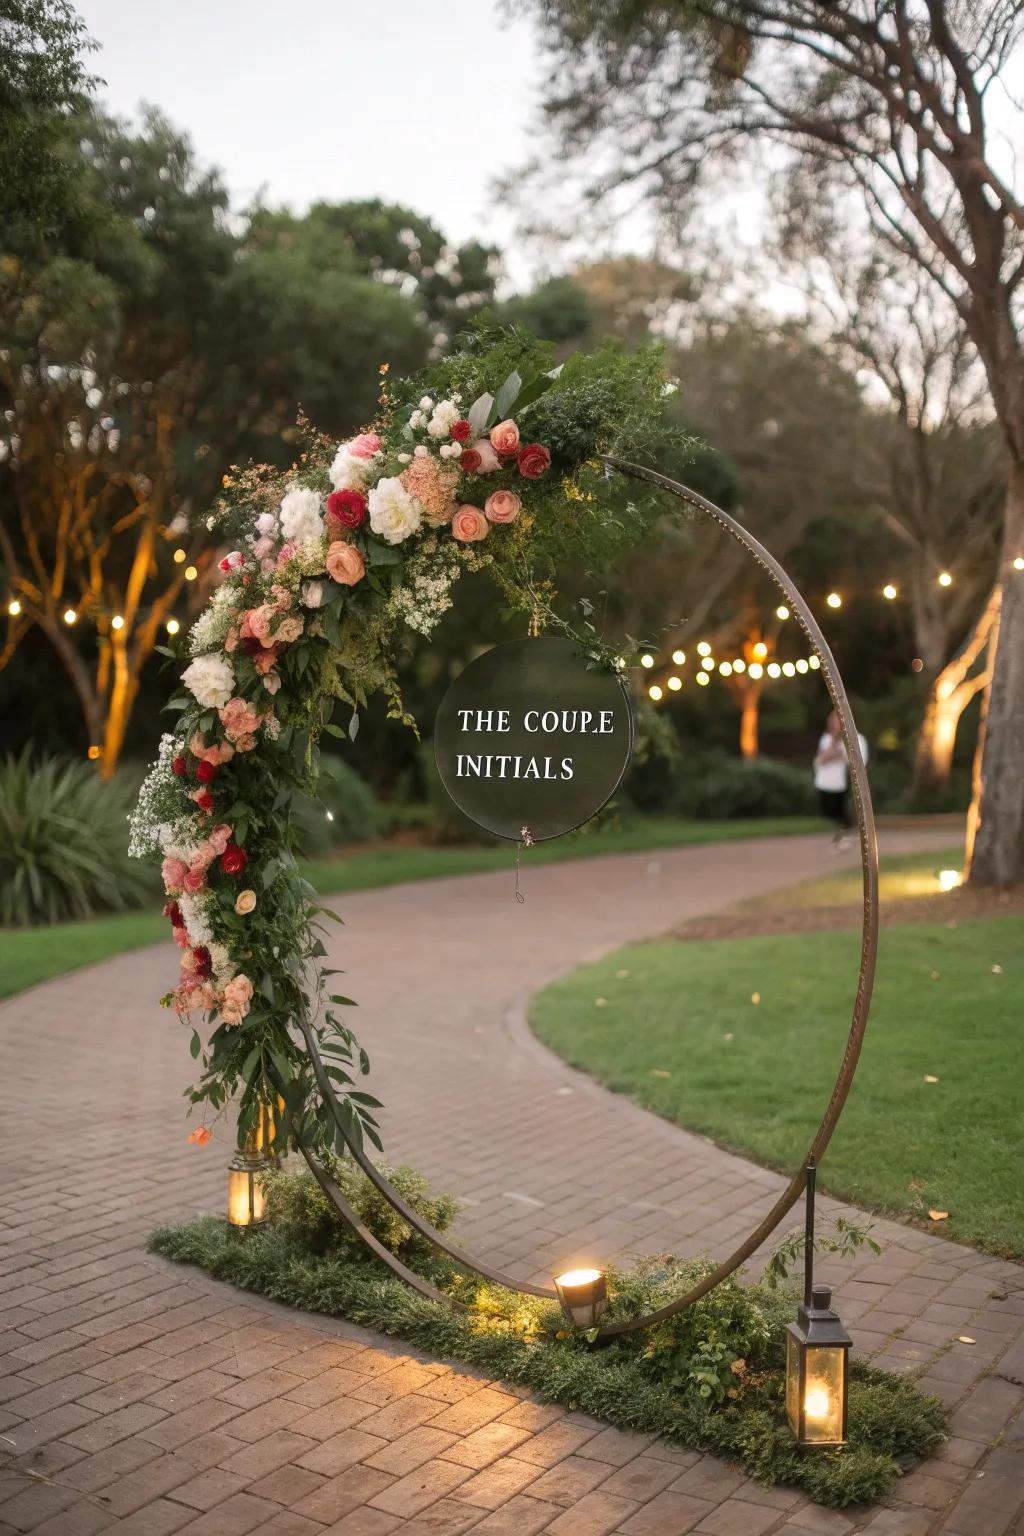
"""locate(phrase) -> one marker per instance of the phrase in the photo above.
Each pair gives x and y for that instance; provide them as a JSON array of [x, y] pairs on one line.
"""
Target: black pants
[[835, 806]]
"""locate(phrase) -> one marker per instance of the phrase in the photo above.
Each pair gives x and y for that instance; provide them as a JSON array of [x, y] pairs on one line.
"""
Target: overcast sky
[[414, 103]]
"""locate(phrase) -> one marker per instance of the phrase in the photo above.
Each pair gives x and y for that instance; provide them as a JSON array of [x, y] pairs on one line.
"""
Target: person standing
[[832, 779]]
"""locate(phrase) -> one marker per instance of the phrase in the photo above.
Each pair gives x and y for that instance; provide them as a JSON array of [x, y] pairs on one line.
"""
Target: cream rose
[[502, 507], [345, 564], [469, 525], [245, 901]]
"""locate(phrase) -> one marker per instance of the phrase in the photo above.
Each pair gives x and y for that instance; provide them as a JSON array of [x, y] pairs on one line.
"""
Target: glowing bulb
[[725, 668], [816, 1402], [739, 665], [173, 626], [117, 622], [814, 662], [679, 657], [654, 692], [801, 665], [889, 591], [774, 670], [92, 754], [949, 879], [760, 651], [945, 579], [180, 557], [579, 1277], [1018, 563], [703, 649], [703, 679], [756, 670], [190, 573], [14, 607], [782, 612], [788, 669], [330, 815], [647, 661], [834, 600], [70, 616], [675, 683], [708, 663]]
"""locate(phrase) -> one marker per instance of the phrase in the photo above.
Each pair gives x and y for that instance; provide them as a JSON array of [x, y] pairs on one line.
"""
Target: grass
[[741, 1038], [32, 955]]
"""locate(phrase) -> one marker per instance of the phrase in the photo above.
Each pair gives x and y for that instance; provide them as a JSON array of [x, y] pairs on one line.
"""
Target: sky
[[335, 99]]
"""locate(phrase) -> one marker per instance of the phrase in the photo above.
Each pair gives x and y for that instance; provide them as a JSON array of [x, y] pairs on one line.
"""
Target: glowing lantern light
[[817, 1356], [583, 1294]]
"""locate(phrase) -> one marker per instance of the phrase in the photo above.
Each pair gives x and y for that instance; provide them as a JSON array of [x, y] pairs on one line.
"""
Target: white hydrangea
[[266, 525], [426, 404], [349, 473], [193, 910], [444, 418], [394, 514], [301, 519], [417, 419], [210, 680]]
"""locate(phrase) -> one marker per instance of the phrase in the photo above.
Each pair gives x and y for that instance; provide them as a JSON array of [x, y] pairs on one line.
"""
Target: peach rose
[[244, 902], [345, 564], [488, 457], [285, 553], [289, 629], [502, 507], [469, 525], [504, 437], [173, 872], [237, 997], [238, 719], [204, 855], [257, 622]]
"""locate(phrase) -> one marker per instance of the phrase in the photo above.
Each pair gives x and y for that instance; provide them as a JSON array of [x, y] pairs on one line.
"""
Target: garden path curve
[[139, 1397]]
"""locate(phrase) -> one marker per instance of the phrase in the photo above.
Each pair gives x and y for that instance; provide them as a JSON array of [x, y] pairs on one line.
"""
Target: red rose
[[234, 859], [471, 459], [462, 431], [203, 960], [205, 773], [533, 460], [347, 508], [178, 764], [204, 800], [173, 911]]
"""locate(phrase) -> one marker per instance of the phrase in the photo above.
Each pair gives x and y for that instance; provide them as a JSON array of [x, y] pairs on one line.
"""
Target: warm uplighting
[[788, 669], [173, 626], [782, 612], [654, 692], [834, 600], [180, 557], [774, 670], [949, 879], [1018, 563], [583, 1294], [679, 657], [889, 591], [760, 651], [817, 1350], [93, 754], [708, 663], [70, 616], [756, 670], [814, 663], [14, 607], [647, 661], [801, 666], [703, 679], [725, 668], [117, 622], [945, 579], [246, 1200], [190, 573], [703, 649], [675, 683]]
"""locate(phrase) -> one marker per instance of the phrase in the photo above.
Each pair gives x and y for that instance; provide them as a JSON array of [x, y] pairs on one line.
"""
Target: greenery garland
[[491, 460]]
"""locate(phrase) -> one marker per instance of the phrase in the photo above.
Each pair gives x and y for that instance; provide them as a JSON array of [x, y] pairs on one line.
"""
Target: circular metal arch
[[858, 1024]]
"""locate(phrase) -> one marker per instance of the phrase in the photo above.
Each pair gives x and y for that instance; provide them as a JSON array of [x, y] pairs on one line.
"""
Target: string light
[[739, 665], [675, 683], [117, 622], [655, 692], [180, 557], [647, 661], [814, 663], [703, 679], [92, 754], [945, 579], [70, 616], [756, 670], [725, 668], [708, 663], [788, 669], [190, 573], [679, 657], [889, 591], [782, 612], [1018, 563], [703, 649], [173, 626], [14, 607], [774, 670], [834, 600], [760, 651], [801, 666]]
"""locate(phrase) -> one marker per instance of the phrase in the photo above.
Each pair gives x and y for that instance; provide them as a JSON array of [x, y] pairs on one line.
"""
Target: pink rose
[[220, 837], [488, 457], [263, 547], [204, 855], [239, 719], [256, 623], [364, 446], [285, 553], [289, 630], [195, 880], [502, 507], [231, 562], [345, 564], [237, 997], [469, 525], [534, 460], [504, 437], [180, 937], [173, 872]]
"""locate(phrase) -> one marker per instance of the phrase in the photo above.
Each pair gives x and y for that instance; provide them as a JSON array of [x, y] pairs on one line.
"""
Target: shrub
[[64, 843], [356, 815], [298, 1206], [722, 787]]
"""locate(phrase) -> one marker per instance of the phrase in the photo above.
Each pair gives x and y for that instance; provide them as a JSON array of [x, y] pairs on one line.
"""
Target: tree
[[889, 101]]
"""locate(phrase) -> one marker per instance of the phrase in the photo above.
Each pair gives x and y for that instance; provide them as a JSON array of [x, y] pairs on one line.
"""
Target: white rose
[[313, 593], [301, 521], [426, 404], [210, 680], [394, 514]]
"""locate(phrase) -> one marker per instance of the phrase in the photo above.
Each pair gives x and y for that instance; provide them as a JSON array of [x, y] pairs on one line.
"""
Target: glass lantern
[[583, 1294], [817, 1352], [246, 1200]]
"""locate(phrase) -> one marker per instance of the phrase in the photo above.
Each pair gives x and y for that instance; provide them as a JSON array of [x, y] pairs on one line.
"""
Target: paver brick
[[595, 1514], [667, 1514], [738, 1518], [411, 1450], [287, 1484], [344, 1493], [237, 1516], [341, 1451], [261, 1456], [209, 1488], [554, 1443], [521, 1516], [412, 1493], [470, 1412]]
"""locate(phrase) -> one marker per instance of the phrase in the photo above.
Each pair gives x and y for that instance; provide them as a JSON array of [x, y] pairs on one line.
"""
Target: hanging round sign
[[529, 742]]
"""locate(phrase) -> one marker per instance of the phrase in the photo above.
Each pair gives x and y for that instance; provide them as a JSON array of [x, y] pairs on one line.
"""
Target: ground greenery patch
[[710, 1378], [740, 1039]]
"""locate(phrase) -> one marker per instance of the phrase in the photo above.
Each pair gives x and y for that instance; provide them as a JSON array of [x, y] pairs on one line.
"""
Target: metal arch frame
[[858, 1025]]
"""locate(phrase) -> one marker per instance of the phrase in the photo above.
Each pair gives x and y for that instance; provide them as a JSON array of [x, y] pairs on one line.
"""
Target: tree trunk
[[123, 690], [949, 693], [996, 828]]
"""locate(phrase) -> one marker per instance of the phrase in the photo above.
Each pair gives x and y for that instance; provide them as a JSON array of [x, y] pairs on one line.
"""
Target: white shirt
[[833, 775]]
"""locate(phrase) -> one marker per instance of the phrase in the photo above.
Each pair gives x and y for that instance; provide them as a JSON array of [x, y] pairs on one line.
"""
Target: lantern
[[817, 1351], [246, 1200], [583, 1294]]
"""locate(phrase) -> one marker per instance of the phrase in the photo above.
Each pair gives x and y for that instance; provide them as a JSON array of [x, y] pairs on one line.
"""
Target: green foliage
[[717, 785], [356, 815], [299, 1207], [63, 843], [524, 1341]]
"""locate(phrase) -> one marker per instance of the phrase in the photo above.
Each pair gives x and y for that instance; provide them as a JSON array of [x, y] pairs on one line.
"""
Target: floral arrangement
[[329, 565]]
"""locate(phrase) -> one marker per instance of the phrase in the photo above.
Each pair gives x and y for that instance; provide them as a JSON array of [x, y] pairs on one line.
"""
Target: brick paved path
[[139, 1397]]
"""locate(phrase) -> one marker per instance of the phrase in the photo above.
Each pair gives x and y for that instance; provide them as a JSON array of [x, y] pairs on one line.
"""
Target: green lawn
[[32, 955], [674, 1025]]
